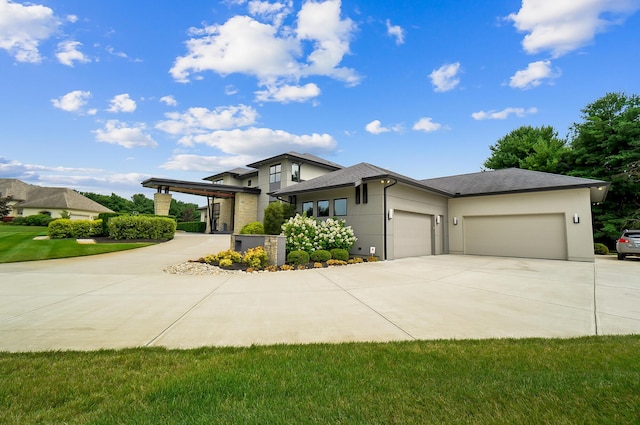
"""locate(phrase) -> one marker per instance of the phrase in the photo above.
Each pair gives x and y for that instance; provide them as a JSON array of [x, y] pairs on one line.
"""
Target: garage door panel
[[412, 234], [528, 236]]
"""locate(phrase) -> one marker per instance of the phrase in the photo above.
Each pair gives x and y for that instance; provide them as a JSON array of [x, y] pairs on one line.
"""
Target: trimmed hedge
[[253, 228], [600, 249], [320, 255], [298, 258], [340, 254], [37, 220], [63, 228], [141, 227], [192, 226]]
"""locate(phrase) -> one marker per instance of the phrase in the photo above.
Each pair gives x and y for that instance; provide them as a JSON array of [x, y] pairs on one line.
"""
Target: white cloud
[[286, 94], [504, 114], [561, 26], [427, 125], [128, 136], [208, 164], [263, 140], [122, 103], [375, 127], [274, 54], [169, 100], [201, 120], [274, 12], [68, 53], [395, 31], [82, 179], [23, 27], [445, 78], [73, 101], [72, 18], [533, 75]]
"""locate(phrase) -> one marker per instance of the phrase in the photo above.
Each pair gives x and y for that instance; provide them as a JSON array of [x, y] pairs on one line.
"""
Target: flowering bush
[[255, 257], [307, 234]]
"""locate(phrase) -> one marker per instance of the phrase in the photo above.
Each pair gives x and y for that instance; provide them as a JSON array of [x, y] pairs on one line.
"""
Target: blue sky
[[99, 95]]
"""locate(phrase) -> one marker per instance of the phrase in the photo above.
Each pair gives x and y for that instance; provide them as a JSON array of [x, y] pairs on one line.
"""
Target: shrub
[[230, 254], [253, 228], [298, 257], [333, 233], [320, 255], [275, 214], [192, 226], [356, 260], [81, 229], [61, 228], [317, 265], [307, 234], [19, 221], [372, 259], [340, 254], [600, 249], [286, 267], [105, 221], [300, 232], [141, 227], [255, 257], [38, 220], [336, 263], [225, 262]]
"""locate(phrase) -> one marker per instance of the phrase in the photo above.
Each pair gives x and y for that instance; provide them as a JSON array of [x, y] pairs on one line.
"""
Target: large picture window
[[275, 172], [307, 207], [323, 208], [340, 207]]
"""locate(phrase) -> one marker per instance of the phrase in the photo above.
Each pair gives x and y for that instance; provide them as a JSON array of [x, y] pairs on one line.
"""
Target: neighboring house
[[512, 212], [29, 200]]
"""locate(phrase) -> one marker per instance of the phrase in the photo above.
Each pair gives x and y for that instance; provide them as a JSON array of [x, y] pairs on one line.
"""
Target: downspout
[[385, 218]]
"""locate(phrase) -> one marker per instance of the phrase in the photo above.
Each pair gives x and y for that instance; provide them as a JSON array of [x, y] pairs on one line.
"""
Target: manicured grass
[[17, 244], [592, 380]]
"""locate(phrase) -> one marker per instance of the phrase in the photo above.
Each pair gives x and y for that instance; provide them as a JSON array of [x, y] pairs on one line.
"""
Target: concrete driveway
[[126, 300]]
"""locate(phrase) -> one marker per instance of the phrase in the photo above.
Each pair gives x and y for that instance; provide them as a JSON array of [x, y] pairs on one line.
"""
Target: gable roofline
[[351, 177], [514, 180], [301, 157], [239, 172], [59, 198]]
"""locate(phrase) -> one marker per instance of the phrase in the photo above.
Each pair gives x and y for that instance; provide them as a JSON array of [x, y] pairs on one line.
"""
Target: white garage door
[[528, 236], [411, 234]]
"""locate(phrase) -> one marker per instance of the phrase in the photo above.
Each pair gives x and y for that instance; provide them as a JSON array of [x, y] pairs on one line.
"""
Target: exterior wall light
[[390, 213], [576, 218], [455, 221], [437, 219]]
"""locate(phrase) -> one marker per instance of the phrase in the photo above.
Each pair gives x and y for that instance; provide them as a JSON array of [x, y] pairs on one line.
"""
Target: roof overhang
[[197, 188]]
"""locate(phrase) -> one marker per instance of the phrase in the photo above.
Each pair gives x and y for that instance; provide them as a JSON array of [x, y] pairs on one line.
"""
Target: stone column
[[162, 203], [246, 210]]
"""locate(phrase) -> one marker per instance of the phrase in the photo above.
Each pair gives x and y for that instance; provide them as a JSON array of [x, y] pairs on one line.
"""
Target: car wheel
[[621, 256]]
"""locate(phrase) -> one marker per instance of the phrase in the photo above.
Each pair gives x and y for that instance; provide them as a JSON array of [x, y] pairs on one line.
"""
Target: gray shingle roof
[[31, 196], [306, 157], [236, 172], [507, 181], [348, 176]]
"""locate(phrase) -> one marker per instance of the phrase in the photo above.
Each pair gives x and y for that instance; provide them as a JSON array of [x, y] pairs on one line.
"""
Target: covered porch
[[235, 206]]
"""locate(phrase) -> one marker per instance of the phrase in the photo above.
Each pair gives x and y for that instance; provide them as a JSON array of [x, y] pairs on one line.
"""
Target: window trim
[[275, 173], [328, 208], [312, 209], [335, 210], [294, 177]]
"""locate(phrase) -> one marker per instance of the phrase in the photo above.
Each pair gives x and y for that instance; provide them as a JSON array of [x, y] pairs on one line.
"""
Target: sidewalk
[[126, 300]]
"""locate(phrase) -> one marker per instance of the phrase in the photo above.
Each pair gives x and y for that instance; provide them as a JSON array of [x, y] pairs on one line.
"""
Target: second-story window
[[295, 172], [275, 172], [221, 181]]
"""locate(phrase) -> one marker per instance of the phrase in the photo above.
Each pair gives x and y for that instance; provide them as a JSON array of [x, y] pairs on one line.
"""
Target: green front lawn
[[17, 244], [592, 380]]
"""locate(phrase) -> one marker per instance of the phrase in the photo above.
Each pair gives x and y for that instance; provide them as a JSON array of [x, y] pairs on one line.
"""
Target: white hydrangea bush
[[308, 234]]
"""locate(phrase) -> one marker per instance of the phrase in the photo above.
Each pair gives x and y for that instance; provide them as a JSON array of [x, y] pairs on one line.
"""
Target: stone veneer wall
[[246, 210], [161, 203], [274, 245]]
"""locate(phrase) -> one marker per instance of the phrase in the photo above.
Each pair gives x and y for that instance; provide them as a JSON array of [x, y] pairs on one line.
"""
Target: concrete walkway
[[126, 300]]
